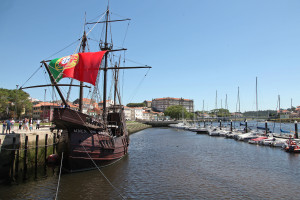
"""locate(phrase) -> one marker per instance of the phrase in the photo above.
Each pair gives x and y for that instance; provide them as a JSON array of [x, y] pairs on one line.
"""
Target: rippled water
[[176, 164]]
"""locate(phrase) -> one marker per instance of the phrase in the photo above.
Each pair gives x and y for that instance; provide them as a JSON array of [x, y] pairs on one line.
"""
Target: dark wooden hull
[[86, 144], [86, 150]]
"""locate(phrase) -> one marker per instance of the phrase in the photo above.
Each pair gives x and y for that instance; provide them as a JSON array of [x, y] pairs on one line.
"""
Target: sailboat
[[90, 141]]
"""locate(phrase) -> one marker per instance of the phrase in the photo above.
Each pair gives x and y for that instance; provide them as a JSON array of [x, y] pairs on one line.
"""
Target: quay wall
[[133, 126], [17, 160]]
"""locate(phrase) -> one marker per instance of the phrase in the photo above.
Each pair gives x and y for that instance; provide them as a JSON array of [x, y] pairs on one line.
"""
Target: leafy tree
[[220, 112], [14, 100], [260, 113], [136, 105], [176, 112]]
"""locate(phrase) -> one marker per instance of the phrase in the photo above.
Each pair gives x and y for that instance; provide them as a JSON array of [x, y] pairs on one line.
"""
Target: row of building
[[153, 110]]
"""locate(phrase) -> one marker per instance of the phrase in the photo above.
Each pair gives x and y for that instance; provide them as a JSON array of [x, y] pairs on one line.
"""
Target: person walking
[[12, 122], [8, 124], [26, 124], [3, 127], [20, 124], [30, 124], [38, 124]]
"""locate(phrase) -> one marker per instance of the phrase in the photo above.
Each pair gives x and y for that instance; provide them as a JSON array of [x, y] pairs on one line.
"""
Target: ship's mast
[[105, 69], [83, 44]]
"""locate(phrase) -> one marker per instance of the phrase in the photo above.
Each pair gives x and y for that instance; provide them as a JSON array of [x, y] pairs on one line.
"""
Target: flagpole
[[55, 84]]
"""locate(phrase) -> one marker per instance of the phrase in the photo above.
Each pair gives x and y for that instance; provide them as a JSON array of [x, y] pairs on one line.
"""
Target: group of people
[[26, 124], [7, 125]]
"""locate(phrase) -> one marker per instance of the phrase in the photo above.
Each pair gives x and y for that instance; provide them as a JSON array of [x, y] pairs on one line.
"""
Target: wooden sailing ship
[[90, 142]]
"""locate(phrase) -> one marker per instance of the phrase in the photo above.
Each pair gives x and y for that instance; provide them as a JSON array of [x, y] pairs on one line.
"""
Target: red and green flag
[[82, 66]]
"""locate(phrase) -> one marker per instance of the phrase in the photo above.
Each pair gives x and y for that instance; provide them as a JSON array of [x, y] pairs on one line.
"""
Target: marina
[[197, 167]]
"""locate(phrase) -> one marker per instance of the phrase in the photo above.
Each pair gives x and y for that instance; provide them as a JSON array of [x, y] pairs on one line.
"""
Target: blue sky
[[195, 47]]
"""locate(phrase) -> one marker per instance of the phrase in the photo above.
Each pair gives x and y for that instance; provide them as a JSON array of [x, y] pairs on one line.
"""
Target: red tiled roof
[[171, 98], [46, 104]]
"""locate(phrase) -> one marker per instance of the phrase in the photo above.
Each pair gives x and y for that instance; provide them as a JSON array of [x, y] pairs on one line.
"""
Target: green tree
[[14, 100], [176, 112], [220, 112], [136, 105]]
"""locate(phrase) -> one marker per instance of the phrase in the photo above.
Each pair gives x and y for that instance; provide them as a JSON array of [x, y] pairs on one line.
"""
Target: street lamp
[[16, 104]]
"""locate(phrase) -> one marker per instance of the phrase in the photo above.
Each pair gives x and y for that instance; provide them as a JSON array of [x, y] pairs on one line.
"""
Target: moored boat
[[257, 140], [90, 141], [292, 147]]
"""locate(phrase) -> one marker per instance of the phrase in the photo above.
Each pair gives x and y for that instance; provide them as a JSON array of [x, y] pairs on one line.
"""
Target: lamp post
[[16, 103]]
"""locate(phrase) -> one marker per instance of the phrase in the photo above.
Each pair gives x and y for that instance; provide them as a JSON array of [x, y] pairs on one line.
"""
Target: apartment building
[[161, 104]]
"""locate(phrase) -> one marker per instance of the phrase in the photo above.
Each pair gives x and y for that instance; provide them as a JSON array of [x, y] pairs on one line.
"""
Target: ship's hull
[[87, 146], [86, 150]]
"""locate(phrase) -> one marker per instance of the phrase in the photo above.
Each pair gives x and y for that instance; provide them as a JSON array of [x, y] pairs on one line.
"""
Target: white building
[[127, 112], [108, 103], [136, 113]]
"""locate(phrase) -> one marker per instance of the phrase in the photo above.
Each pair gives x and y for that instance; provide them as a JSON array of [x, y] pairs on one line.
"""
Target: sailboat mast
[[256, 105], [105, 69], [279, 112]]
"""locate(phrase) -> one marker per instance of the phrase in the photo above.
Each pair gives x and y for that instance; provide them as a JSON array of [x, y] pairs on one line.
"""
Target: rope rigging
[[114, 187], [32, 75], [63, 48], [138, 86], [62, 157]]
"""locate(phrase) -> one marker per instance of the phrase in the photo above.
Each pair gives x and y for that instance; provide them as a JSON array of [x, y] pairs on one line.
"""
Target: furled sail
[[82, 66]]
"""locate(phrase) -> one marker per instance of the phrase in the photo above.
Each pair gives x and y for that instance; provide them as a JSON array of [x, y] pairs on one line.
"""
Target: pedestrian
[[8, 124], [26, 124], [38, 124], [12, 121], [3, 127], [30, 124], [20, 124]]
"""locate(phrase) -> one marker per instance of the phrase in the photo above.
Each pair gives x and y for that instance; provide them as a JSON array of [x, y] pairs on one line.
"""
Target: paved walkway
[[20, 134]]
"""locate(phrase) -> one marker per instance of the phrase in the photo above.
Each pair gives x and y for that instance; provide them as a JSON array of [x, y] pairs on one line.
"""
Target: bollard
[[54, 140], [231, 125], [266, 127], [17, 162], [246, 124], [296, 130], [12, 159], [45, 154], [25, 158], [204, 123], [46, 148], [220, 124], [36, 155]]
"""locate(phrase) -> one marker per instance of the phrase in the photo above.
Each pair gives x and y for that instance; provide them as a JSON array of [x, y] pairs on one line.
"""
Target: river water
[[165, 163]]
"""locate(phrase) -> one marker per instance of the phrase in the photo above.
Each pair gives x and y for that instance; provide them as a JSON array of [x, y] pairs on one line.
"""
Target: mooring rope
[[62, 157], [116, 189]]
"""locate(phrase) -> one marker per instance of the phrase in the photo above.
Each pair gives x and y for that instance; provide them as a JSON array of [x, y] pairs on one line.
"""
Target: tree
[[136, 105], [14, 100], [176, 112], [220, 112]]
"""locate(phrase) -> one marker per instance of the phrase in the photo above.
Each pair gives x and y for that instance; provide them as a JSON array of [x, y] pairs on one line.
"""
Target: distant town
[[18, 104]]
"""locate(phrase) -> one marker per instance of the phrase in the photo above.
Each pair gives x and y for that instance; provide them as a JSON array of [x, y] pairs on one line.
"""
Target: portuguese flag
[[82, 66]]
